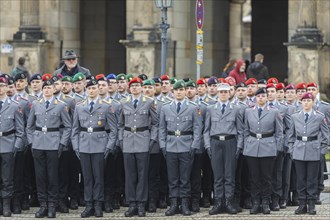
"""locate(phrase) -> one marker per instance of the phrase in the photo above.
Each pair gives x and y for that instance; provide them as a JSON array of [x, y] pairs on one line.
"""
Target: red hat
[[222, 80], [270, 85], [3, 79], [165, 77], [272, 80], [231, 81], [307, 95], [251, 81], [280, 86], [135, 80], [301, 86], [312, 84], [290, 86], [201, 81], [100, 77], [46, 76]]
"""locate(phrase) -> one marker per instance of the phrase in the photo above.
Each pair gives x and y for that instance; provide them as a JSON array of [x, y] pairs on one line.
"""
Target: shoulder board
[[148, 97], [80, 102], [126, 99], [69, 96], [281, 103], [242, 103], [320, 113], [14, 101], [107, 102], [61, 101], [116, 101], [32, 96], [194, 103], [212, 99], [325, 103], [166, 103], [204, 103], [159, 100], [80, 96], [24, 98]]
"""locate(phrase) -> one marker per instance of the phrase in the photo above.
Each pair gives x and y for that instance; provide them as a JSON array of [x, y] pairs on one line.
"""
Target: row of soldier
[[147, 141]]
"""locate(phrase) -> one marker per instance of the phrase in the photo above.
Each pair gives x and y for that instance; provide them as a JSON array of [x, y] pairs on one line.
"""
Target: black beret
[[261, 91]]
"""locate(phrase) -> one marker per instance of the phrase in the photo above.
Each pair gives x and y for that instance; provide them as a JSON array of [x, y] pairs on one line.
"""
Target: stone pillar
[[29, 12], [307, 14], [235, 29]]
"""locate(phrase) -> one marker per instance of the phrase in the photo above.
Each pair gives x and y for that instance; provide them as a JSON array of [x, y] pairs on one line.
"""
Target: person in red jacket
[[238, 73]]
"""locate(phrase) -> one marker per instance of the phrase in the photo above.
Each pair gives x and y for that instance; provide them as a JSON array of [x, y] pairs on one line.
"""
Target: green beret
[[179, 84], [148, 82], [191, 83], [129, 77], [173, 80], [121, 76], [78, 77], [67, 79]]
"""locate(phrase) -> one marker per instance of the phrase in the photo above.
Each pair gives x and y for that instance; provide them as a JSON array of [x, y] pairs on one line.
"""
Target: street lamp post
[[163, 5]]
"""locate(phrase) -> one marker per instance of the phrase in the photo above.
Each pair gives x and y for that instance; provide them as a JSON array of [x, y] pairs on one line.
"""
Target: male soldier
[[93, 145], [301, 89], [43, 133], [262, 83], [241, 93], [11, 140], [79, 83], [278, 165], [179, 136], [196, 178], [166, 86], [280, 92], [158, 86], [212, 85], [308, 140], [36, 85], [252, 86], [223, 133], [263, 133], [113, 86], [138, 129], [67, 86], [122, 85], [323, 107], [65, 159]]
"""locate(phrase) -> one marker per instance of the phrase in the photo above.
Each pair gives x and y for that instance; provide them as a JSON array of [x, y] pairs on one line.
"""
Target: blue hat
[[111, 76], [157, 79], [36, 76], [212, 80]]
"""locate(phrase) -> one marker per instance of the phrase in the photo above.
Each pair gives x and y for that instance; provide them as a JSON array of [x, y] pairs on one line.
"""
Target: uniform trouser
[[207, 175], [245, 178], [223, 165], [7, 175], [19, 175], [277, 176], [92, 167], [30, 186], [46, 169], [179, 169], [260, 169], [64, 175], [320, 186], [154, 176], [112, 177], [75, 170], [238, 177], [293, 180], [136, 176], [163, 176], [307, 181], [286, 174], [196, 177]]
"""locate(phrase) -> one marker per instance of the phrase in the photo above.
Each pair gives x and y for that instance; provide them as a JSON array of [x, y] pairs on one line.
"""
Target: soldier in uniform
[[138, 130], [43, 133], [301, 89], [252, 86], [11, 141], [323, 107], [67, 86], [122, 86], [262, 83], [93, 145], [308, 140], [263, 133], [212, 85], [79, 83], [166, 86], [158, 86], [113, 86], [223, 133], [280, 91], [179, 137], [36, 85]]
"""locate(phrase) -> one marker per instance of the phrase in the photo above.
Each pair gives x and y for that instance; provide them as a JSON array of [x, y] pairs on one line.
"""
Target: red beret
[[135, 80], [301, 86], [290, 86], [251, 81], [307, 95], [46, 76], [312, 84], [222, 80], [100, 77], [231, 81], [272, 80], [3, 79], [280, 86], [165, 77], [201, 81], [270, 85]]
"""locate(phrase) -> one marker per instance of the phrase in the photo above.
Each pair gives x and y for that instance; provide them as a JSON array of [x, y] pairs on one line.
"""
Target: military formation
[[103, 142]]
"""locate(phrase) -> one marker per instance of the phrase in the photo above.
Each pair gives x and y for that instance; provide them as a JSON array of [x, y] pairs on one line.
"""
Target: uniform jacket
[[188, 119], [324, 107], [56, 115], [117, 108], [144, 115], [158, 104], [270, 121], [316, 126], [11, 118]]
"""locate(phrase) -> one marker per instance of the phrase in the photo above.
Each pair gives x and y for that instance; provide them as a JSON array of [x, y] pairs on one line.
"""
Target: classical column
[[235, 29], [29, 13], [307, 14]]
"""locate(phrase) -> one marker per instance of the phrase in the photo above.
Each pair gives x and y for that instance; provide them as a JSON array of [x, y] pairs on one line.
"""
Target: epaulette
[[69, 96], [159, 100], [325, 103], [281, 103], [80, 102], [166, 103], [148, 97], [61, 101], [32, 96], [204, 103], [107, 102], [212, 99], [116, 101], [14, 101], [80, 96], [242, 103], [320, 113], [194, 103]]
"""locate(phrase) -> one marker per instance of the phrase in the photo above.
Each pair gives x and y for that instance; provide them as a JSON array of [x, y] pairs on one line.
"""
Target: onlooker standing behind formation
[[228, 68], [257, 69], [238, 73], [20, 68]]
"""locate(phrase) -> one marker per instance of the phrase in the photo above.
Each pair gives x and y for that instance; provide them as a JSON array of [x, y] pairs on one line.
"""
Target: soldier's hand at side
[[151, 145], [164, 152], [60, 150], [107, 153], [238, 153], [77, 154], [209, 152], [15, 151]]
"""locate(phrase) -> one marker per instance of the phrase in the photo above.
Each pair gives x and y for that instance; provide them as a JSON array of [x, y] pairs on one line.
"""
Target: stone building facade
[[124, 36]]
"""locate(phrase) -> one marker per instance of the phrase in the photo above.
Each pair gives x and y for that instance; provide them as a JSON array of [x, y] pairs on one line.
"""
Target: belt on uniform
[[259, 136], [305, 138], [135, 129], [223, 137], [179, 133], [2, 134], [91, 130], [45, 129]]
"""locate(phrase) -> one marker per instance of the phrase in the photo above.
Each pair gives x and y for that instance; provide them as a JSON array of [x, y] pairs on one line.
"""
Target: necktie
[[1, 102], [259, 112], [91, 108], [271, 104], [47, 104], [306, 117], [223, 108], [135, 103], [178, 107], [200, 99]]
